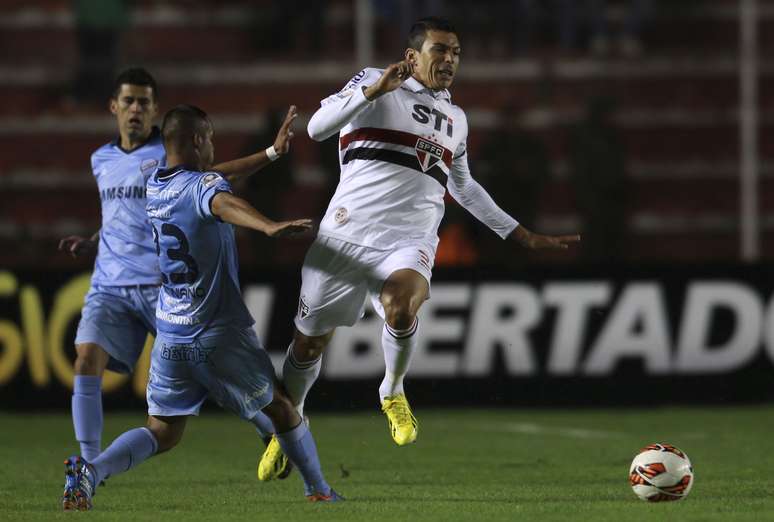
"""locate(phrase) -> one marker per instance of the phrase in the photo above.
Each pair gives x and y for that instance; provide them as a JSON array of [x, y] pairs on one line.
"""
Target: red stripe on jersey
[[390, 136]]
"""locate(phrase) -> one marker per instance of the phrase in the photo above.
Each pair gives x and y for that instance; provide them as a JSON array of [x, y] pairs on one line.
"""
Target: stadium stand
[[676, 118]]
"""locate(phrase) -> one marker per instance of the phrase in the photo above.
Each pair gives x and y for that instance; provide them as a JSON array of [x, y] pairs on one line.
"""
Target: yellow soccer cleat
[[273, 464], [403, 424]]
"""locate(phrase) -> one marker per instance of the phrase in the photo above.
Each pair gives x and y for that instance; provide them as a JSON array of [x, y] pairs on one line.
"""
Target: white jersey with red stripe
[[398, 155]]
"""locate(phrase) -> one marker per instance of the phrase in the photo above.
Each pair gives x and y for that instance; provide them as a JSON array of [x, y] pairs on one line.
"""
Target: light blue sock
[[87, 414], [127, 451], [263, 425], [298, 444]]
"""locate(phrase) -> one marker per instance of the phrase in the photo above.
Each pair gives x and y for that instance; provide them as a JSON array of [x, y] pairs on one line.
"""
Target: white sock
[[298, 378], [398, 345]]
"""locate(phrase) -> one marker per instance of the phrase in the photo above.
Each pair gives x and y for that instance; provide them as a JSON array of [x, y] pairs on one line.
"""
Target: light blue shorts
[[118, 319], [230, 366]]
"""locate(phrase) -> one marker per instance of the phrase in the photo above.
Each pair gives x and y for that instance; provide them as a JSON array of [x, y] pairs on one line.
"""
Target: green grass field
[[467, 465]]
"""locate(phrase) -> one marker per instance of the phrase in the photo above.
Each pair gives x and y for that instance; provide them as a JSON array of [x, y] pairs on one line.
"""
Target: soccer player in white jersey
[[401, 147], [205, 343], [119, 309]]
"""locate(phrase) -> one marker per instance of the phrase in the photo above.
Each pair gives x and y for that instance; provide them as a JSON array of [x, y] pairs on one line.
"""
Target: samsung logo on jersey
[[135, 192]]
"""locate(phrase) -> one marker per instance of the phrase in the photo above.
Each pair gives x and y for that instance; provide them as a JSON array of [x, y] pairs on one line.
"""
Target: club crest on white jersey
[[428, 153]]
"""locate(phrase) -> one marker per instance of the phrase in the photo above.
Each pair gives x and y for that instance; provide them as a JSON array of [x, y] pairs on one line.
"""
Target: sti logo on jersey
[[428, 153], [422, 115]]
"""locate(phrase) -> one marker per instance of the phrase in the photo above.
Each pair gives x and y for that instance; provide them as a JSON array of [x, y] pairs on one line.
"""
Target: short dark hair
[[135, 76], [418, 32], [182, 122]]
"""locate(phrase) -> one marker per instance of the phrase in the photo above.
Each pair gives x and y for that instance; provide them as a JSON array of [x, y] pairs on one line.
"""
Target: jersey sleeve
[[97, 160], [340, 108], [473, 197], [207, 186], [94, 165]]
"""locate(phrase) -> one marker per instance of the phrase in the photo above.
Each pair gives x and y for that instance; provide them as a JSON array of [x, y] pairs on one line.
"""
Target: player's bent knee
[[306, 348], [91, 359], [401, 296], [398, 312], [282, 413]]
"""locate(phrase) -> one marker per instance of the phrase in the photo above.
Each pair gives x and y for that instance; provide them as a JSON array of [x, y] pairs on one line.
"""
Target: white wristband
[[271, 153]]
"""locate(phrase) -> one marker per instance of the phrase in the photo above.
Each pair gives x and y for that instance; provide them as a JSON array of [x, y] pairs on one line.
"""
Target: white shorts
[[338, 276]]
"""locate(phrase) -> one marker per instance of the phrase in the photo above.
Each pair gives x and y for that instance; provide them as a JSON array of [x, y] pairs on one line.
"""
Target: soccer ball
[[661, 472]]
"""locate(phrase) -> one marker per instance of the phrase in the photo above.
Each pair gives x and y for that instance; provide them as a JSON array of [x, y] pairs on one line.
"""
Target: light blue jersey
[[127, 255], [197, 256]]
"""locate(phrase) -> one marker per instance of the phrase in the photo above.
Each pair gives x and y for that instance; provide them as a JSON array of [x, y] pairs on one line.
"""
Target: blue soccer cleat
[[79, 485], [330, 497]]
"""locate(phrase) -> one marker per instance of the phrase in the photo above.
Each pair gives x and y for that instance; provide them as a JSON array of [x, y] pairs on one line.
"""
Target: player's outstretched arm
[[476, 200], [237, 211], [534, 241], [78, 246], [340, 109], [473, 197], [242, 167]]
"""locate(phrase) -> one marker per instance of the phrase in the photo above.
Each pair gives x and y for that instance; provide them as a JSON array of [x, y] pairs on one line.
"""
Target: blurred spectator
[[293, 27], [394, 18], [598, 175], [406, 12], [263, 191], [312, 186], [571, 14], [513, 165], [520, 23], [99, 26], [505, 26]]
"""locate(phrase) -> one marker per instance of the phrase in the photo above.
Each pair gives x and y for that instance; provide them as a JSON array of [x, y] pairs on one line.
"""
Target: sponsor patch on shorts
[[303, 308], [185, 353]]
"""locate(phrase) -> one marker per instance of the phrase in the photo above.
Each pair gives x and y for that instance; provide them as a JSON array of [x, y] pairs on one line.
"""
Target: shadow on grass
[[466, 500]]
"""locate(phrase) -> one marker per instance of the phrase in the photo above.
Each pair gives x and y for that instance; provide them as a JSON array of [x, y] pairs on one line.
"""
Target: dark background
[[615, 119]]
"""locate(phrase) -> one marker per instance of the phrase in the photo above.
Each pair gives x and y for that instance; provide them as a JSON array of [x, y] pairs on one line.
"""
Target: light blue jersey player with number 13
[[205, 344], [120, 308]]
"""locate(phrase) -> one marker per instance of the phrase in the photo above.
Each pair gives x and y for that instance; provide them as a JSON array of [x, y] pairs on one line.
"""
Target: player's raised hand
[[77, 246], [289, 228], [392, 77], [540, 242], [285, 134]]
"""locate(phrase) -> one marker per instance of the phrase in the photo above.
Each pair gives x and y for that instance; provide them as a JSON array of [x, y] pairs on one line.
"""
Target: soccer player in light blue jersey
[[205, 344], [119, 309]]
